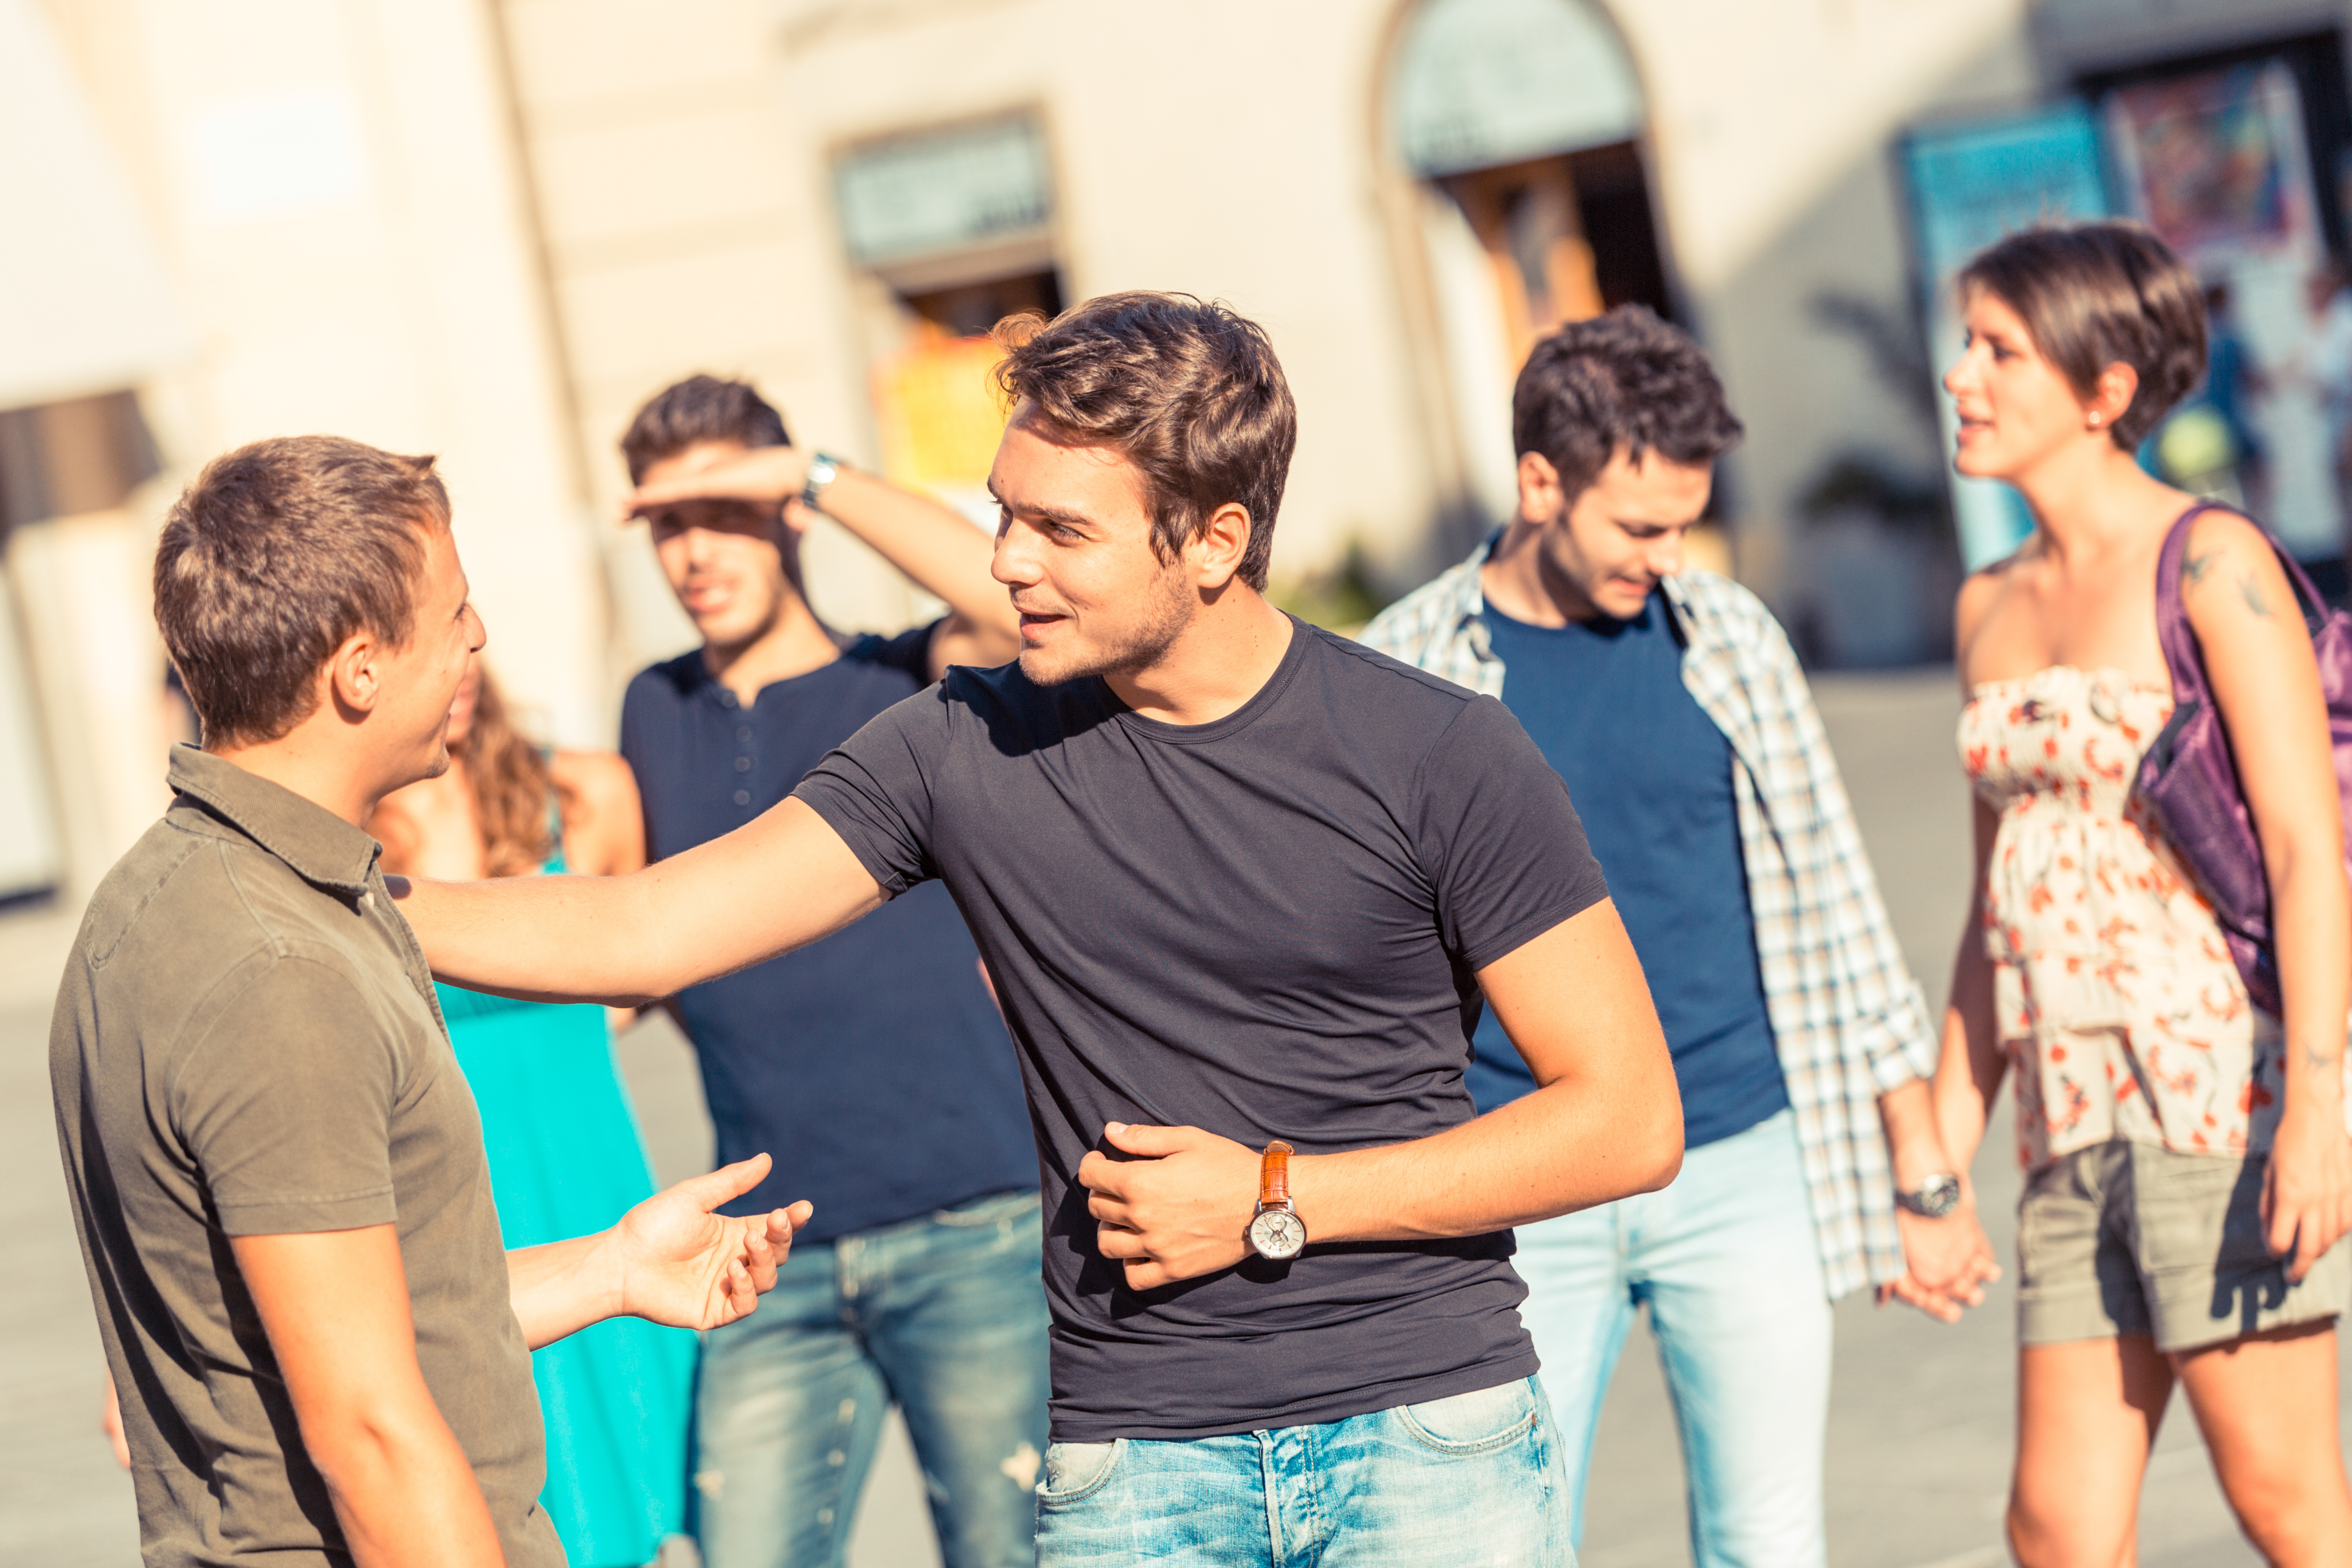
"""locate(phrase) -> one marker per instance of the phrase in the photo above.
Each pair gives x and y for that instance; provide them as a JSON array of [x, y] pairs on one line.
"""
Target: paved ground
[[1919, 1425]]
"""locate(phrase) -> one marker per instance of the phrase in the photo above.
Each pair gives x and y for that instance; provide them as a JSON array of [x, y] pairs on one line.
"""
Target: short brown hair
[[699, 409], [2097, 294], [1627, 380], [1188, 390], [277, 554]]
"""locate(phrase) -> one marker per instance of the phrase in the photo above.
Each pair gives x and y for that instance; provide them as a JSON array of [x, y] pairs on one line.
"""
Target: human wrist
[[1917, 1156], [1310, 1198], [604, 1275]]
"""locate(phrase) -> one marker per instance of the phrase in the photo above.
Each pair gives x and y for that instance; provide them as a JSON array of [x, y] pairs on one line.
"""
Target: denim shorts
[[2135, 1238], [1476, 1480]]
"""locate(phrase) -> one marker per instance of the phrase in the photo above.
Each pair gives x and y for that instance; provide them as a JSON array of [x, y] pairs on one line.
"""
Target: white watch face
[[1277, 1233]]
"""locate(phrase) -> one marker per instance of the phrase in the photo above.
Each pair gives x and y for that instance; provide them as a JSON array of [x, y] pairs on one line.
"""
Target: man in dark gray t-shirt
[[322, 1351], [1242, 888]]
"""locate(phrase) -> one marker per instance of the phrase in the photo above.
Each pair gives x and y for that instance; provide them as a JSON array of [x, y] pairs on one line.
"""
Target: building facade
[[490, 229]]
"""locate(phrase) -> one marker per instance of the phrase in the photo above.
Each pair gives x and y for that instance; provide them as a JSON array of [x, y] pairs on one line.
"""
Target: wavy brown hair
[[512, 787], [1188, 390]]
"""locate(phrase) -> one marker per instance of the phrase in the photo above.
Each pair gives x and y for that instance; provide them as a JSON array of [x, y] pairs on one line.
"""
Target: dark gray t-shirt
[[246, 1044], [1266, 927]]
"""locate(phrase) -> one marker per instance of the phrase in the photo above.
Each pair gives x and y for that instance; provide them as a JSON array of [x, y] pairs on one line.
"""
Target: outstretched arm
[[669, 1261], [1605, 1122], [335, 1306], [778, 882], [935, 547]]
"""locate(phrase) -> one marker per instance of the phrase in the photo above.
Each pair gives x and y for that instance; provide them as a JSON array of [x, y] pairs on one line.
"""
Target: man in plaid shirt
[[1673, 705]]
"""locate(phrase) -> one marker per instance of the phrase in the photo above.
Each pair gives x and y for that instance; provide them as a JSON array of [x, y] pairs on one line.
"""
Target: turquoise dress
[[566, 1159]]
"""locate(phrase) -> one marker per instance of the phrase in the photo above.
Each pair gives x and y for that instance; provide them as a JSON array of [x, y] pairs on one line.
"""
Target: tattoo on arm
[[2251, 592], [2316, 1060], [2196, 566]]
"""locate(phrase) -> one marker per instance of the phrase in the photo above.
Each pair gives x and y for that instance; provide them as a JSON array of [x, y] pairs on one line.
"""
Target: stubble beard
[[1167, 611]]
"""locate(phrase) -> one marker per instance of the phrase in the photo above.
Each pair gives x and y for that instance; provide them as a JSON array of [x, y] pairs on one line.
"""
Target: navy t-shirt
[[871, 1065], [1651, 775], [1269, 926]]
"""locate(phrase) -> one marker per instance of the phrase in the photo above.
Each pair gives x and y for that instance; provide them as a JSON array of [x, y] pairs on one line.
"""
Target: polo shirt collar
[[319, 846]]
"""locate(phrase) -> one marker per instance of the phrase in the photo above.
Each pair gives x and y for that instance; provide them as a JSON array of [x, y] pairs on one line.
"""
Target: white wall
[[335, 190]]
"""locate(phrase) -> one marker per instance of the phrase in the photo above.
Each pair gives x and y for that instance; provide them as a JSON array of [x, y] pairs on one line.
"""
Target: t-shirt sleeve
[[633, 723], [875, 790], [909, 652], [1499, 838], [286, 1105]]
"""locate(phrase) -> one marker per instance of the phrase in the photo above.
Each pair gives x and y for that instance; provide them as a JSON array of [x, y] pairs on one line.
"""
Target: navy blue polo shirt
[[1651, 775], [873, 1065]]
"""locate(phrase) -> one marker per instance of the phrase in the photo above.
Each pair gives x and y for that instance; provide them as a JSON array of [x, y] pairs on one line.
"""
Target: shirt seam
[[275, 1200], [185, 1053], [1265, 698]]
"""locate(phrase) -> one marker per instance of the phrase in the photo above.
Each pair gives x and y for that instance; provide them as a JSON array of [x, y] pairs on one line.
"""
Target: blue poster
[[1969, 184]]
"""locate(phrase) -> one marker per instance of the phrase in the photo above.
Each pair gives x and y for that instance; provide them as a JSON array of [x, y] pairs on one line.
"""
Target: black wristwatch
[[1934, 1198]]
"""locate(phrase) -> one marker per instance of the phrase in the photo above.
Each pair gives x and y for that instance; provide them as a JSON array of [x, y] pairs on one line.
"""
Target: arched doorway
[[1517, 125]]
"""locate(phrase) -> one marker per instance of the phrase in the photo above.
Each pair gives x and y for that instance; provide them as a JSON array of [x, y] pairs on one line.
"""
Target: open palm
[[686, 1267]]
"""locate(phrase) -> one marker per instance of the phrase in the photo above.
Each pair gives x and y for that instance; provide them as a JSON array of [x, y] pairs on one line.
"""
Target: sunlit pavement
[[1919, 1424]]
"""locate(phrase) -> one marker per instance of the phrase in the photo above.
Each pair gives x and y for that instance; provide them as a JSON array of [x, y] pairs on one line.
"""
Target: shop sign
[[946, 190]]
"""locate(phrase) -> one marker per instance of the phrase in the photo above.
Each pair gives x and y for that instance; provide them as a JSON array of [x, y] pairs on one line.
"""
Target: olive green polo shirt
[[245, 1043]]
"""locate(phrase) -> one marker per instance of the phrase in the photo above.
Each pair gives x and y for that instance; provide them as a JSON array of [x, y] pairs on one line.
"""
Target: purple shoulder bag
[[2190, 779]]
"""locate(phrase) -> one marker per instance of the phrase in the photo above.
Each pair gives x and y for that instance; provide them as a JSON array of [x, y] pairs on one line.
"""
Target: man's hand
[[1178, 1208], [1949, 1262], [670, 1260], [2307, 1185], [765, 475], [682, 1265]]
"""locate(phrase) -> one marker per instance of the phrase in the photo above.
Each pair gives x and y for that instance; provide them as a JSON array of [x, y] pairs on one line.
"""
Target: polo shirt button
[[744, 734], [743, 764], [743, 798]]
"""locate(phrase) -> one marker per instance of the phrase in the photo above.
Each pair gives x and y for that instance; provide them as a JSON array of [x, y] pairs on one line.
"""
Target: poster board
[[1970, 182]]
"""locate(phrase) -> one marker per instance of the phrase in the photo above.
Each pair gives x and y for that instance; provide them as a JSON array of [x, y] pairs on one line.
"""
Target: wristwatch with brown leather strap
[[1277, 1233]]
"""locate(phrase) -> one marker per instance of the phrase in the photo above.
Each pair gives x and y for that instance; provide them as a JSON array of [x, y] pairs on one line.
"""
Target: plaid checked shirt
[[1849, 1020]]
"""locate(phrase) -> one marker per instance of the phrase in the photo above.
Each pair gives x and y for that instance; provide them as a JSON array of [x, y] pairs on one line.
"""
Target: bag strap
[[2182, 657]]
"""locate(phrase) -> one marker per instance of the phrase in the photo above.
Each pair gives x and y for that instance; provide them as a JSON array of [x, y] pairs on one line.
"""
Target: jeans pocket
[[1076, 1470], [1475, 1423]]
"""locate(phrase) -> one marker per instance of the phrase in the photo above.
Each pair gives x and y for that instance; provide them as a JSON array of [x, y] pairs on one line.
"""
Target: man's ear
[[354, 675], [1217, 546], [1540, 494]]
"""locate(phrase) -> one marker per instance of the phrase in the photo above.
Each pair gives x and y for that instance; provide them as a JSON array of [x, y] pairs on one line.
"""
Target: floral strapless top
[[2120, 1007]]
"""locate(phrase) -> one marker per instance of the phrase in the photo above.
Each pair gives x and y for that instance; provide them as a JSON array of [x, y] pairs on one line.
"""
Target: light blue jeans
[[1727, 1260], [1476, 1480], [946, 1315]]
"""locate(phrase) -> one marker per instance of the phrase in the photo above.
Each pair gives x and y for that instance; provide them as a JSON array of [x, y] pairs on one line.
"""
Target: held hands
[[2307, 1185], [1177, 1207], [677, 1263], [1948, 1261], [765, 475]]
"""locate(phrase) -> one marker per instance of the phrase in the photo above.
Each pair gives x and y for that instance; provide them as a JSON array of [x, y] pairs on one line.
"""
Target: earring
[[2094, 421]]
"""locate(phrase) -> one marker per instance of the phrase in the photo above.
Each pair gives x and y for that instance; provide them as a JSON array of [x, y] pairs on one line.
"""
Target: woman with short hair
[[2189, 1175]]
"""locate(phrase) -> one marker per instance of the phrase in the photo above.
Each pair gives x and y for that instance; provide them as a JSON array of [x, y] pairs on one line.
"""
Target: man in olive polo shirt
[[275, 1163]]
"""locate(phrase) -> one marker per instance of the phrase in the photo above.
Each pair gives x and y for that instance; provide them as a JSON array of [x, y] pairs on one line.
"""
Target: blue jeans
[[1727, 1260], [946, 1315], [1473, 1480]]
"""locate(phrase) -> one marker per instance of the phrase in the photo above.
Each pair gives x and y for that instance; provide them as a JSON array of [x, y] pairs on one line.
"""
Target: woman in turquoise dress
[[565, 1152]]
